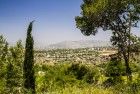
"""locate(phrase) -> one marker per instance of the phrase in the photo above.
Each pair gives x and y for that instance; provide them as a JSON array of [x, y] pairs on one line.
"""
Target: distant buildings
[[89, 55]]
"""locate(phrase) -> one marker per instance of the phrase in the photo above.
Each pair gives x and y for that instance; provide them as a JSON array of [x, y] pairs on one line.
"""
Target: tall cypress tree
[[28, 66]]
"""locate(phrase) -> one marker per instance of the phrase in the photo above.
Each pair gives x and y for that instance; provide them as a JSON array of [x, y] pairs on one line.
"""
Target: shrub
[[83, 72], [114, 71]]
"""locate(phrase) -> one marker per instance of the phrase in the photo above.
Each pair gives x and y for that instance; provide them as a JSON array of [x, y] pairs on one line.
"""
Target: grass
[[86, 90]]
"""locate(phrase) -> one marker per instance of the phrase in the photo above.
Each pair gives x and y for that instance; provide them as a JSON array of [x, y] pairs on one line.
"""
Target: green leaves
[[107, 14], [11, 58], [28, 65], [118, 16]]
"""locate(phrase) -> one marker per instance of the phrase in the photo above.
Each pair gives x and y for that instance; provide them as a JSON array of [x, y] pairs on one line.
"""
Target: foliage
[[114, 71], [62, 75], [119, 16], [115, 68], [62, 79], [28, 65], [84, 72], [11, 65]]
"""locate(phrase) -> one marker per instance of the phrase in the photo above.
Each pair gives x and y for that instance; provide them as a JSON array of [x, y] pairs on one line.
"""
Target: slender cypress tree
[[28, 66]]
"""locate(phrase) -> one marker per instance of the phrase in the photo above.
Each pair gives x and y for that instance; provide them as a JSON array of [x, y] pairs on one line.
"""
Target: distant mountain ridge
[[79, 44]]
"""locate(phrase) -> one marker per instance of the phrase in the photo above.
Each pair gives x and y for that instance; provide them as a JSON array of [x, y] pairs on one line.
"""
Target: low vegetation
[[74, 78]]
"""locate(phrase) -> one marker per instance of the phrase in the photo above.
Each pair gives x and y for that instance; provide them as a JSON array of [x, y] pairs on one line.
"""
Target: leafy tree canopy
[[107, 14]]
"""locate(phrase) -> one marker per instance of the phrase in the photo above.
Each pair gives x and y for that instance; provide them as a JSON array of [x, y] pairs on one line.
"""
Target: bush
[[111, 81], [83, 72], [114, 71], [77, 70]]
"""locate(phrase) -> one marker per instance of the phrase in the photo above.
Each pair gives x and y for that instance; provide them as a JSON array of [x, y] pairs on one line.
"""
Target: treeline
[[17, 66]]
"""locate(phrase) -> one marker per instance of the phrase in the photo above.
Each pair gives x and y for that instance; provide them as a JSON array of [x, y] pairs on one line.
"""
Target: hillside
[[79, 44]]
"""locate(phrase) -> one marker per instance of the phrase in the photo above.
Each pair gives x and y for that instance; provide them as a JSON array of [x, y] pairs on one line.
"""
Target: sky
[[54, 21]]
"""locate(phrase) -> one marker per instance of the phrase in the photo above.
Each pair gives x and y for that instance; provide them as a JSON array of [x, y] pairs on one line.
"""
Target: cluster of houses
[[89, 55]]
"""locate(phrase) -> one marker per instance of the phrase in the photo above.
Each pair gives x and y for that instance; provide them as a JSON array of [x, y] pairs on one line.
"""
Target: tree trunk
[[128, 69], [126, 59]]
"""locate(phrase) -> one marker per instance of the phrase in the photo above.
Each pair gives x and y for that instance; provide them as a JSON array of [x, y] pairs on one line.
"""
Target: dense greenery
[[67, 77], [11, 59], [28, 66], [117, 16]]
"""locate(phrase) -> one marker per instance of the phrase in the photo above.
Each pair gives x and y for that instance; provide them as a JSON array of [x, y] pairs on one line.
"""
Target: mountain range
[[79, 44]]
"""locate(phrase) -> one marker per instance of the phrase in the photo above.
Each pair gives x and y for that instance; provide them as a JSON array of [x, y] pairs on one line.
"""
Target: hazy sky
[[54, 21]]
